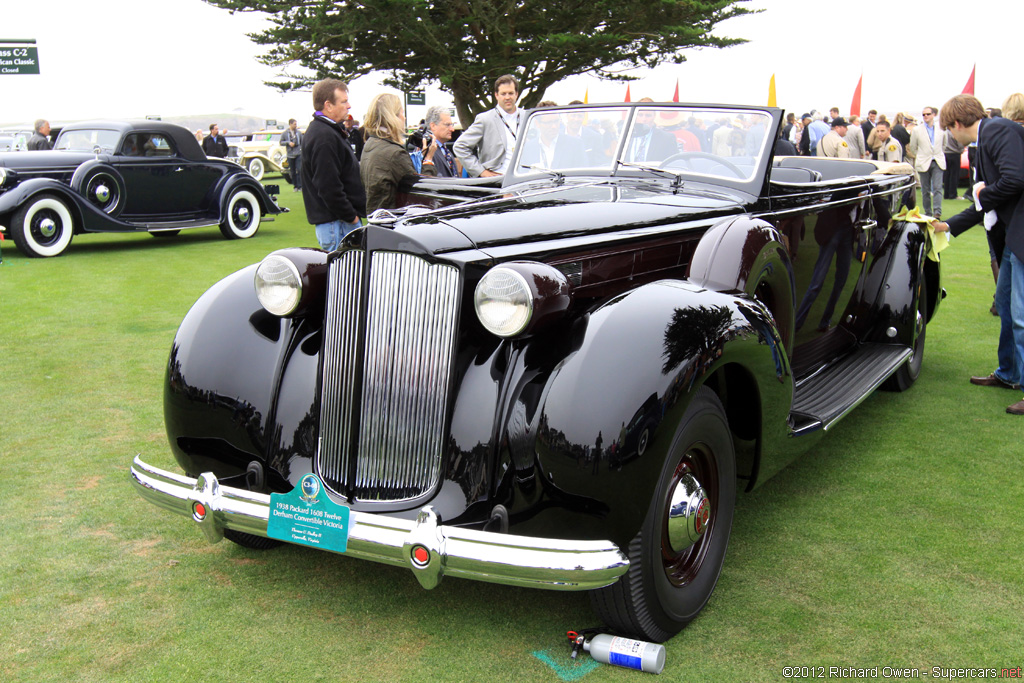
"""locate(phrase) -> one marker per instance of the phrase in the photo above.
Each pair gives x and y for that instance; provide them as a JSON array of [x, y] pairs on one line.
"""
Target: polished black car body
[[124, 176], [695, 323]]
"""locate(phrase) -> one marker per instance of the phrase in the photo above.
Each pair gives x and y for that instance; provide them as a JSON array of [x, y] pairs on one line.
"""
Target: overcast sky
[[132, 58]]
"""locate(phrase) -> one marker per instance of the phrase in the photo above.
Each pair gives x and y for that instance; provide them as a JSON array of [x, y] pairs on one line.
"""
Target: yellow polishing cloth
[[937, 241]]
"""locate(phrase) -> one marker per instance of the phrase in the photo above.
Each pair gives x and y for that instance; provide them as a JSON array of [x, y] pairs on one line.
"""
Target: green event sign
[[306, 516], [16, 59], [416, 97]]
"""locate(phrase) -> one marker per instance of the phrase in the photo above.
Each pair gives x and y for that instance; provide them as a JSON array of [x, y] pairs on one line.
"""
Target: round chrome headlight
[[278, 284], [503, 302]]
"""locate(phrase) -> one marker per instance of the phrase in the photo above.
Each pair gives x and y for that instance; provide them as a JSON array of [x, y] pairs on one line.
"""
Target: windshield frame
[[626, 115], [107, 139]]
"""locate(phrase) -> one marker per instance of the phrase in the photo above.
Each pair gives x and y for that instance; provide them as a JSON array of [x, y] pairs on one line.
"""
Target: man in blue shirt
[[817, 130]]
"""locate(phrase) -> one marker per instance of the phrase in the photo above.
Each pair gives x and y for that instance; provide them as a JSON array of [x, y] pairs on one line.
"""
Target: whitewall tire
[[43, 226], [256, 168], [242, 216]]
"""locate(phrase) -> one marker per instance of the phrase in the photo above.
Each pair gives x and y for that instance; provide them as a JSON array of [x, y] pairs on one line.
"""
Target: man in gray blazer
[[926, 146], [485, 149]]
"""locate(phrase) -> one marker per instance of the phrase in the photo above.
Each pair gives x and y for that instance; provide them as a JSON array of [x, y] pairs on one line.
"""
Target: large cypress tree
[[466, 44]]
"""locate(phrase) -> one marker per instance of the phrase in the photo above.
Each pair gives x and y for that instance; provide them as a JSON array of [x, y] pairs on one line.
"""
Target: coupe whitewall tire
[[242, 216], [43, 226]]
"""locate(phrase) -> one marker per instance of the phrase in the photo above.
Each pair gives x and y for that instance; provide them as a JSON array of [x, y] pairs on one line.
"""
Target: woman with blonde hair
[[386, 166], [1013, 107]]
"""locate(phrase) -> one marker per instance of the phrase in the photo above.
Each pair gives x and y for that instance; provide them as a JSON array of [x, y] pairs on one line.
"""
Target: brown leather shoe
[[993, 381], [1016, 409]]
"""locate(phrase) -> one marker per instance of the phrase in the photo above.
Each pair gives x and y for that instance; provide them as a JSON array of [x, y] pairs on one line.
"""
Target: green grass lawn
[[896, 542]]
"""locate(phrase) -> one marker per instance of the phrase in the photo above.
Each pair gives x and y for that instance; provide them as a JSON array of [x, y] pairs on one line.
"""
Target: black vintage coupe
[[559, 378], [124, 176]]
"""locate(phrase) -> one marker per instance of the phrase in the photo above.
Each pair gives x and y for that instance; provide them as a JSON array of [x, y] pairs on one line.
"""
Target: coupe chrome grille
[[407, 350]]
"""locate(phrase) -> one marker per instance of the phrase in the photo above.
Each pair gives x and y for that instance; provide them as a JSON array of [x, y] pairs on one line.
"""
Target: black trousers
[[951, 176]]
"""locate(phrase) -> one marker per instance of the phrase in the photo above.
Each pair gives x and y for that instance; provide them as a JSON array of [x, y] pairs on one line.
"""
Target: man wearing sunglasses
[[926, 146]]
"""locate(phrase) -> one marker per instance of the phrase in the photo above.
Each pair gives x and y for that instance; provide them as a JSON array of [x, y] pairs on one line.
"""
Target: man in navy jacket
[[333, 193], [998, 204]]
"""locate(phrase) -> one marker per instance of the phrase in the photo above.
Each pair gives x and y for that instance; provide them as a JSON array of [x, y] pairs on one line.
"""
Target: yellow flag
[[771, 92]]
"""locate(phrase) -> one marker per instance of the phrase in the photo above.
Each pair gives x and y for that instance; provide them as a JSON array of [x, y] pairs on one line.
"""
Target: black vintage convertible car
[[559, 378], [125, 176]]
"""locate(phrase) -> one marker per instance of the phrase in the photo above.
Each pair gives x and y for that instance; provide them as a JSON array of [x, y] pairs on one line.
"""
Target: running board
[[824, 398], [177, 225]]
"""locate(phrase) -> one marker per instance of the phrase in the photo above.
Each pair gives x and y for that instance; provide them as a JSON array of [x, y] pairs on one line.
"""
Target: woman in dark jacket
[[900, 132], [386, 167]]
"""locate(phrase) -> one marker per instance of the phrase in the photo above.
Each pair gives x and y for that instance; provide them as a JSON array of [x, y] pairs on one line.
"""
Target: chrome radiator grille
[[390, 448]]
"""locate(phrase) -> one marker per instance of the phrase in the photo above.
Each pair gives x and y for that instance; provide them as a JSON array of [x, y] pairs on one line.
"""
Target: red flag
[[675, 98], [855, 105], [627, 93], [969, 88]]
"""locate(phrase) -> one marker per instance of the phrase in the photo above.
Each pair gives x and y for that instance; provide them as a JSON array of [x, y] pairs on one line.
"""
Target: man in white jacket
[[926, 146]]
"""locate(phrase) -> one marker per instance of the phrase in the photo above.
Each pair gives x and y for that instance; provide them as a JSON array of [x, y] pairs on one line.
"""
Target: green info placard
[[306, 516]]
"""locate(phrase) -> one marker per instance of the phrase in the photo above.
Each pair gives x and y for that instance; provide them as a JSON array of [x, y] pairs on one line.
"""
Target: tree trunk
[[467, 104]]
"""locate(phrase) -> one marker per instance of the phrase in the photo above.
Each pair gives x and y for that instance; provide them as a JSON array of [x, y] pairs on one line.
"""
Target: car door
[[160, 185], [825, 228]]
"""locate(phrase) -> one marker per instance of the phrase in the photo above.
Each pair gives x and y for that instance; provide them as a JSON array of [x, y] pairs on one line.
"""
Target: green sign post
[[16, 57]]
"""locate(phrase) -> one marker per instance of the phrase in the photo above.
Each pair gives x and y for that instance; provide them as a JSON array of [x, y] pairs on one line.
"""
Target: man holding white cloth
[[998, 204]]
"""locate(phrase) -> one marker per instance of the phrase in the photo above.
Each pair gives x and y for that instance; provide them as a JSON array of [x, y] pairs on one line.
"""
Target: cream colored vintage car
[[260, 153]]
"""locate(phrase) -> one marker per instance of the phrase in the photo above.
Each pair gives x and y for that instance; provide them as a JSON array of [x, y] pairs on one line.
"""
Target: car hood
[[550, 212], [48, 159]]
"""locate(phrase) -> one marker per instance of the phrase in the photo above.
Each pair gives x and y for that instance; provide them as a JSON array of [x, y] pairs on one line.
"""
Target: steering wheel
[[704, 155]]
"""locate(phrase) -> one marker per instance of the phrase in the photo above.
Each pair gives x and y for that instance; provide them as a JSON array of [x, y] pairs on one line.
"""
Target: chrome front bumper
[[484, 556]]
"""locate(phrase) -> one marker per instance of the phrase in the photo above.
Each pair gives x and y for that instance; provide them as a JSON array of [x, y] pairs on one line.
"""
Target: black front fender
[[240, 386], [746, 254], [14, 198], [609, 411]]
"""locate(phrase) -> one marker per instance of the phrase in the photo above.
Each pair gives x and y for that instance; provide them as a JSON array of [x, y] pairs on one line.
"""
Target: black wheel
[[677, 556], [256, 168], [241, 216], [685, 156], [904, 378], [250, 540], [43, 226]]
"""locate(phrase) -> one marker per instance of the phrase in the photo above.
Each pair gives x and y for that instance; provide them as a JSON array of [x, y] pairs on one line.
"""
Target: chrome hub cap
[[47, 227], [243, 214], [102, 194], [688, 515]]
